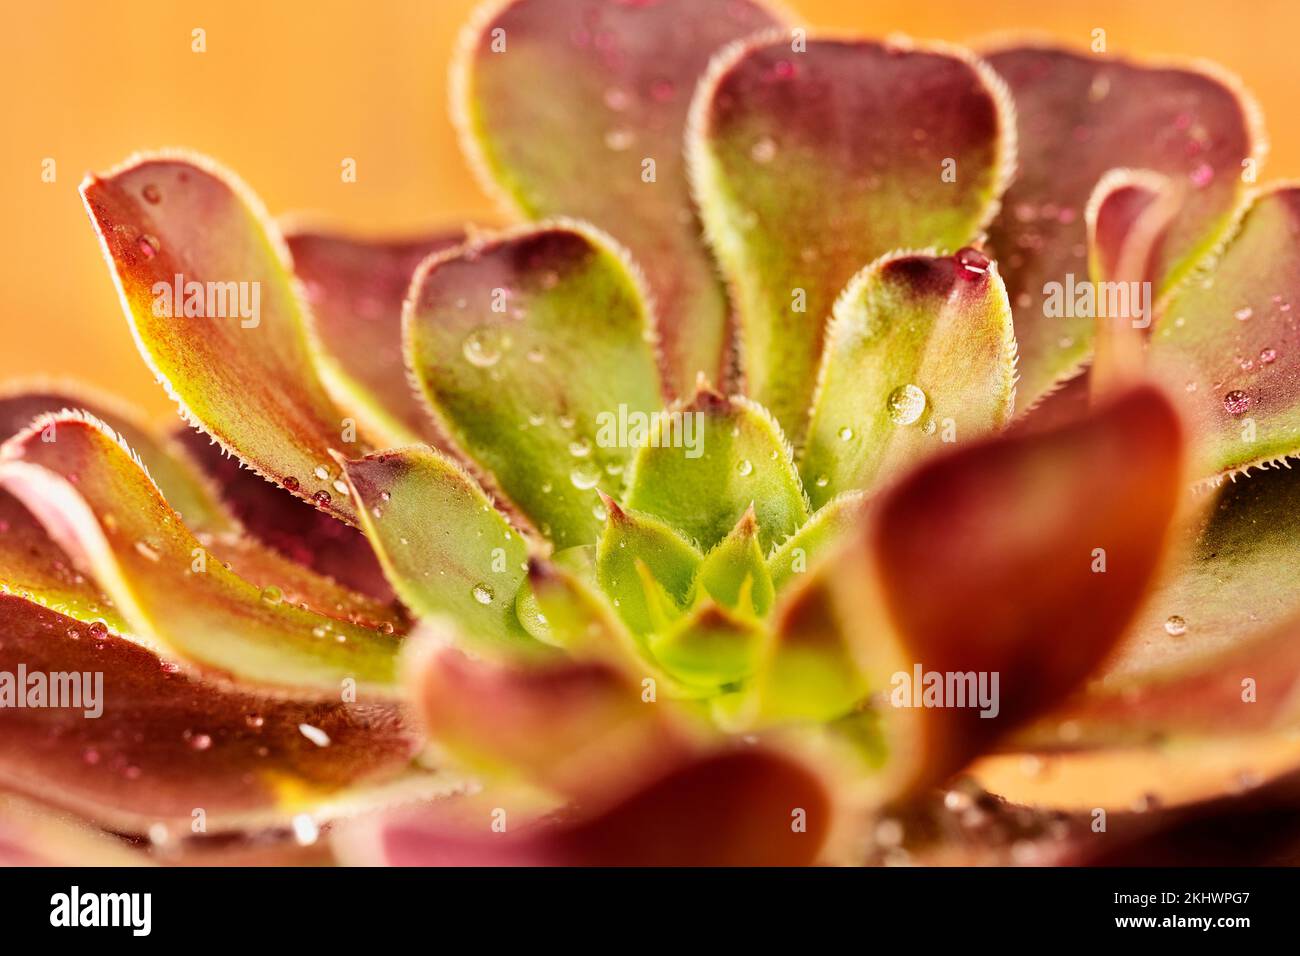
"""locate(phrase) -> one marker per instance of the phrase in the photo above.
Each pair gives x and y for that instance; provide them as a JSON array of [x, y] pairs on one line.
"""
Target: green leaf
[[534, 393], [799, 552], [732, 456], [442, 544], [734, 574], [629, 538], [710, 647], [1227, 342], [1079, 115], [920, 352], [243, 374], [545, 91], [809, 165]]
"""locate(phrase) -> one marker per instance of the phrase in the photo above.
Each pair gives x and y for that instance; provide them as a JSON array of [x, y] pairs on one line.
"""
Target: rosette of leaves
[[647, 508]]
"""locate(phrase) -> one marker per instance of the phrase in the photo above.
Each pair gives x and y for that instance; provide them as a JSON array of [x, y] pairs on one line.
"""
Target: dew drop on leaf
[[744, 467], [1236, 402], [905, 404], [1175, 625], [483, 594]]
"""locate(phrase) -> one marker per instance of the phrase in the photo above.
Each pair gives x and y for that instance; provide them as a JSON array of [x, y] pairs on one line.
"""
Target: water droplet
[[905, 404], [200, 741], [763, 150], [149, 246], [305, 830], [1175, 625], [1244, 313], [290, 482], [1202, 175], [822, 481], [846, 433], [340, 486], [619, 139], [1236, 402], [973, 262], [1267, 356], [598, 511], [151, 193], [98, 630], [321, 498], [147, 551], [584, 478], [314, 734], [322, 472], [580, 448], [254, 721], [481, 349], [483, 594], [272, 595], [744, 467]]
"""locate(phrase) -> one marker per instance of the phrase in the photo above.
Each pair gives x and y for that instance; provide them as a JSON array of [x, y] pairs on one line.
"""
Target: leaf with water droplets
[[533, 348], [1228, 342], [734, 573], [735, 456], [100, 507], [355, 288], [920, 353], [205, 283], [443, 545], [1238, 579], [1079, 115], [546, 91], [165, 743], [631, 537], [809, 165]]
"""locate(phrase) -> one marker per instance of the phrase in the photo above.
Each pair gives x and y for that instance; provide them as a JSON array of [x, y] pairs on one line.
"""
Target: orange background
[[287, 89]]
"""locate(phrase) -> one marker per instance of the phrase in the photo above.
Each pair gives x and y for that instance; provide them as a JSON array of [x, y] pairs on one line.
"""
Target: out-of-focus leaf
[[733, 808], [630, 537], [166, 746], [1041, 547], [733, 456], [577, 108], [232, 348], [920, 352], [1079, 115], [809, 165], [710, 647], [1228, 342], [533, 347], [356, 288], [184, 486], [445, 548], [578, 728], [100, 507], [1128, 215]]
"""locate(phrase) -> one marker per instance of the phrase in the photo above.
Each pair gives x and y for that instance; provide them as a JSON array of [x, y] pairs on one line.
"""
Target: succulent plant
[[662, 526]]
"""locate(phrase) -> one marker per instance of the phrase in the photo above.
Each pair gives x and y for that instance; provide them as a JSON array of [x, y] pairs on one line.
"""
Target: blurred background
[[287, 88]]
